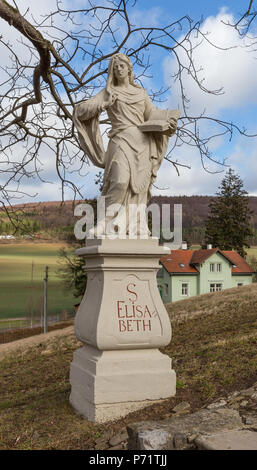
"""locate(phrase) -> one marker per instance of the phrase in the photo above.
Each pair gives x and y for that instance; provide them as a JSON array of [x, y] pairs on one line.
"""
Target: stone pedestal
[[123, 322]]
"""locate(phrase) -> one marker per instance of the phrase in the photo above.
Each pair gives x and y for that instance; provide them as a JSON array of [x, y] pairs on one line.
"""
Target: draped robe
[[143, 152]]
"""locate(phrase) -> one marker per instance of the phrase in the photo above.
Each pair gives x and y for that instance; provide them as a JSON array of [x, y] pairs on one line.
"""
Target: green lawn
[[252, 251], [22, 270]]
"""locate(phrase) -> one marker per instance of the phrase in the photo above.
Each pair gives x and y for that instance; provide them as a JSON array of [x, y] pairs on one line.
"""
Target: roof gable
[[199, 256], [185, 261], [239, 265], [178, 261]]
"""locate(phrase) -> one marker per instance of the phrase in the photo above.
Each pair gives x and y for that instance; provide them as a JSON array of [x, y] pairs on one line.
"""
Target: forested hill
[[195, 208], [59, 217]]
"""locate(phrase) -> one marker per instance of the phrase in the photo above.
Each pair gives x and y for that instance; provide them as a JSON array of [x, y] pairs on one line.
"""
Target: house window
[[184, 289], [214, 287], [239, 284], [166, 289], [212, 267], [219, 267]]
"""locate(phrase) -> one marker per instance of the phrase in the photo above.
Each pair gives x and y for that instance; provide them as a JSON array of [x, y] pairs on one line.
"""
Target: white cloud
[[144, 18], [234, 69], [191, 181], [243, 160], [195, 180]]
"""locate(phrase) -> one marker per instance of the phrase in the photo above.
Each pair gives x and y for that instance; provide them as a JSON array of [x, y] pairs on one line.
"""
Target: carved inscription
[[132, 316]]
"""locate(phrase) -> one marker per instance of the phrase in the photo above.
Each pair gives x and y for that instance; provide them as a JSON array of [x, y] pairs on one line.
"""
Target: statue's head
[[111, 74]]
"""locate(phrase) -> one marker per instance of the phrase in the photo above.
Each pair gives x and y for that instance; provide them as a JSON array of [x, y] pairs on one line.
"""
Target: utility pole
[[32, 271], [32, 295], [45, 299]]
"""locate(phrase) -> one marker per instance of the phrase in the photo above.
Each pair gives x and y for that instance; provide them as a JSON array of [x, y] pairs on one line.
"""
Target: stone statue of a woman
[[133, 157]]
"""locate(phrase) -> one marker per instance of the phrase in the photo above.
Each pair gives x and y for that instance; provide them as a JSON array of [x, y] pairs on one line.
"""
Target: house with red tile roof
[[186, 273]]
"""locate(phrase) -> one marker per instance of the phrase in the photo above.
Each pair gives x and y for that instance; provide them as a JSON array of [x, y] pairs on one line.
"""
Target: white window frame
[[186, 289], [215, 284], [219, 267], [212, 267]]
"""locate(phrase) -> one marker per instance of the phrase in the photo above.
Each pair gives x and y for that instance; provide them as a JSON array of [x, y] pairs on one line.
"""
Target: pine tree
[[228, 225]]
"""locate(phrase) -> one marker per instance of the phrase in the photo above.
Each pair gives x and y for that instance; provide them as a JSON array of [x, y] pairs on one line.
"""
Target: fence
[[33, 321]]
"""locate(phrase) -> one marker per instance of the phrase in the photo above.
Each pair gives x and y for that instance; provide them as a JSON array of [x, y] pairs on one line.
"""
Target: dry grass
[[214, 352], [229, 300], [214, 341]]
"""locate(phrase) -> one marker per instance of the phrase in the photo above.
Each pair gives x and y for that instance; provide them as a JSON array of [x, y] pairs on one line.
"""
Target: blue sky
[[195, 9], [234, 70]]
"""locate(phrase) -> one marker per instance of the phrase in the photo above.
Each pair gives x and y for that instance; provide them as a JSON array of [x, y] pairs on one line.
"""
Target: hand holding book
[[164, 121]]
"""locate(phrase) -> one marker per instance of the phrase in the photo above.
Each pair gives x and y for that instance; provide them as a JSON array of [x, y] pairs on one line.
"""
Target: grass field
[[22, 268], [250, 251]]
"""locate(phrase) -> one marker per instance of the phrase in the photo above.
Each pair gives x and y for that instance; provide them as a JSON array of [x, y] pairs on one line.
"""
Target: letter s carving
[[132, 292]]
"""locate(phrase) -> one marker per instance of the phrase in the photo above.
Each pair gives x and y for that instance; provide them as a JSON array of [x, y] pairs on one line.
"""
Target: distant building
[[7, 237], [186, 273]]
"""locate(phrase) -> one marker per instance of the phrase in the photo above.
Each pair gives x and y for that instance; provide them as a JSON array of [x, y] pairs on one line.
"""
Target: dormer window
[[182, 265]]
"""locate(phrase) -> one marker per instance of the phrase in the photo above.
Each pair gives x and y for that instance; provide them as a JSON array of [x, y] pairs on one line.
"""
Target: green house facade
[[186, 273]]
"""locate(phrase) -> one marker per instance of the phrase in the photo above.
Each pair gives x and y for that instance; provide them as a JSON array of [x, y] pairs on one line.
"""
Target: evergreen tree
[[72, 272], [71, 268], [228, 225]]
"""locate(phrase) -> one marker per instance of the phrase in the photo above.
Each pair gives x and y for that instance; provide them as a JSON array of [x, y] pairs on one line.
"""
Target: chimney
[[184, 246], [209, 247]]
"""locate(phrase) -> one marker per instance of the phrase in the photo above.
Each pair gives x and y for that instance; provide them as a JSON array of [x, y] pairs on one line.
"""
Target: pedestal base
[[122, 322], [107, 385]]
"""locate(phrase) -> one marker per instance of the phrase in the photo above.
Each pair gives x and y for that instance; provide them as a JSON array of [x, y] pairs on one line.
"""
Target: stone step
[[229, 440], [180, 432]]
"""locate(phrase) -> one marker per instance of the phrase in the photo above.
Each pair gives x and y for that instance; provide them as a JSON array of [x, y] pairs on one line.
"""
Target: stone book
[[159, 121], [157, 125]]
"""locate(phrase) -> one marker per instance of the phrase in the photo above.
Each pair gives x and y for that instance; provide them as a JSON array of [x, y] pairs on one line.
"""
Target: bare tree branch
[[64, 59], [245, 20]]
